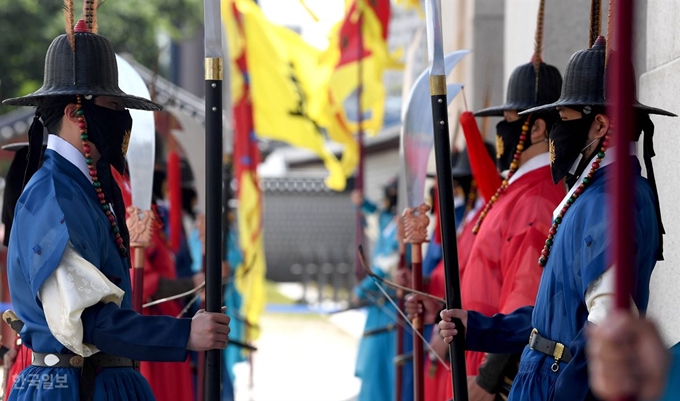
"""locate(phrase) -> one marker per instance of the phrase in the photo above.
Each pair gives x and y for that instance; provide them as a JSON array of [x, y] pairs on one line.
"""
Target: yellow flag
[[250, 281], [349, 53], [282, 73]]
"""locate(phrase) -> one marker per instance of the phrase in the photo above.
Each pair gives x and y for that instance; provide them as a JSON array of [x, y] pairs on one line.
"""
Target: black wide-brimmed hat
[[84, 64], [522, 92], [584, 83], [461, 168]]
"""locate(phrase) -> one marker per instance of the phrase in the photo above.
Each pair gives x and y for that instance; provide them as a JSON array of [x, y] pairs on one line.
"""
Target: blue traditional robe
[[59, 205], [233, 301], [375, 360], [578, 257]]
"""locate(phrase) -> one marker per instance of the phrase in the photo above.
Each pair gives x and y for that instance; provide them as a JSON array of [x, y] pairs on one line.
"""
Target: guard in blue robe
[[576, 261], [375, 359], [54, 202], [67, 264], [577, 258]]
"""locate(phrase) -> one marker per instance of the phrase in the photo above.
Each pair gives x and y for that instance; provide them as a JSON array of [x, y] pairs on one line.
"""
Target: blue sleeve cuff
[[368, 207], [124, 332]]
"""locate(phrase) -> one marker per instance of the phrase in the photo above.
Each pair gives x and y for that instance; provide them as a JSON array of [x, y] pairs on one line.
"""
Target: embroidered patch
[[37, 249]]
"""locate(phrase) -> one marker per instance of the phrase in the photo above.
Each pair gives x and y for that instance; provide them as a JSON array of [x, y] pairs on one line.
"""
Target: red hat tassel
[[175, 198], [483, 167]]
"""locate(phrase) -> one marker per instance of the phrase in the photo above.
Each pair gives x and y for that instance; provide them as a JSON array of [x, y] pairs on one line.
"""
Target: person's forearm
[[499, 334], [123, 332]]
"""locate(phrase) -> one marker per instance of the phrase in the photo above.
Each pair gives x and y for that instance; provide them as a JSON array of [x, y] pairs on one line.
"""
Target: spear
[[447, 218], [213, 160], [140, 159], [620, 90]]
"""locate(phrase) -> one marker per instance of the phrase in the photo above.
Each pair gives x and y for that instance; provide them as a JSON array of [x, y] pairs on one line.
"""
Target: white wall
[[659, 87]]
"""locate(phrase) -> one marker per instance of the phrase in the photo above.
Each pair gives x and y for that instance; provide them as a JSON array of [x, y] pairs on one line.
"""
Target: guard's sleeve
[[600, 298], [368, 207], [124, 332], [74, 286], [499, 334]]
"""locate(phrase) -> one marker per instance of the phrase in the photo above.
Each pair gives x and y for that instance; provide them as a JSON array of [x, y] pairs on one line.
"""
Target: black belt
[[89, 367], [557, 350], [100, 361]]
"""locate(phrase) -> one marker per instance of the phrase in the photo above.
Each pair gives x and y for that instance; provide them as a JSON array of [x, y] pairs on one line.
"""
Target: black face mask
[[567, 141], [109, 130], [507, 139]]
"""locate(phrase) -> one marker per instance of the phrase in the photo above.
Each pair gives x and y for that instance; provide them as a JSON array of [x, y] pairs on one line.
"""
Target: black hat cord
[[34, 155], [647, 155]]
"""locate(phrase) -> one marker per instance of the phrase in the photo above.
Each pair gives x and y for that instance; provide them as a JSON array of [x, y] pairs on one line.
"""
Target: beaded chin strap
[[82, 124], [513, 168], [543, 260]]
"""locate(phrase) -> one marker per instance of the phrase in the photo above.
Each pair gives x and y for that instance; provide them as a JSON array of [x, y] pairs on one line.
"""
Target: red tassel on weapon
[[175, 198], [483, 167]]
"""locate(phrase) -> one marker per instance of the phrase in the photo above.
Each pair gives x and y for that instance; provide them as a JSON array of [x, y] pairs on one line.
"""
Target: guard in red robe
[[437, 378], [501, 274], [169, 381]]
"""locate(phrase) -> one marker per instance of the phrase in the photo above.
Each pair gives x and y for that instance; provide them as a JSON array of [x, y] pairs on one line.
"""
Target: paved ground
[[303, 356]]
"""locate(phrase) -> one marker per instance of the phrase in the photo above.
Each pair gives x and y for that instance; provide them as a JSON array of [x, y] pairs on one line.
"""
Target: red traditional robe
[[169, 381], [23, 359], [437, 379], [502, 272]]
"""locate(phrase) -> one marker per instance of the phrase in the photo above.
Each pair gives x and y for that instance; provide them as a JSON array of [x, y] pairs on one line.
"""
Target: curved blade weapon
[[447, 218], [140, 159]]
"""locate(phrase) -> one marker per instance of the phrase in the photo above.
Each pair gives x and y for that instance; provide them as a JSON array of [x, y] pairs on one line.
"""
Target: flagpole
[[359, 183], [447, 218], [620, 86], [213, 160]]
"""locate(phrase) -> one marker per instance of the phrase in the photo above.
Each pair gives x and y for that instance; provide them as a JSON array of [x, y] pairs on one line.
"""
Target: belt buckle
[[76, 361], [532, 336], [557, 353]]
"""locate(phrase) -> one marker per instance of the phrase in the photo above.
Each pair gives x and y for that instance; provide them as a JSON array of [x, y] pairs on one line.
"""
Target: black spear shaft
[[447, 218], [448, 230], [213, 220]]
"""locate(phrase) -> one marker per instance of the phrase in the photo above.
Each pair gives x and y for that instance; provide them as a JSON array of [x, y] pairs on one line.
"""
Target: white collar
[[69, 152], [609, 158], [530, 165]]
